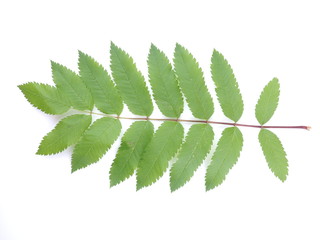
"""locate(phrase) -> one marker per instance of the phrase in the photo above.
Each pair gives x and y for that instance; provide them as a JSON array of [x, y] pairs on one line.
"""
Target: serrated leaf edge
[[224, 177], [47, 85], [190, 159]]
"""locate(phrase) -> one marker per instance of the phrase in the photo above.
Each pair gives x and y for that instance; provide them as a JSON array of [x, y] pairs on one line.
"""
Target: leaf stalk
[[199, 121]]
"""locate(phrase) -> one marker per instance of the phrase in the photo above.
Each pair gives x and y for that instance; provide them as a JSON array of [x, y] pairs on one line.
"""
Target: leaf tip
[[74, 167], [208, 186], [113, 181], [275, 79], [216, 52], [53, 63], [140, 184], [39, 151], [179, 46], [80, 53], [153, 49], [139, 187], [55, 66], [283, 177], [113, 45], [216, 57], [152, 46], [20, 86], [173, 187]]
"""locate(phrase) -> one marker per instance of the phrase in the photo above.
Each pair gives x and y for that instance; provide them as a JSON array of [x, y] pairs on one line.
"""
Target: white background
[[41, 199]]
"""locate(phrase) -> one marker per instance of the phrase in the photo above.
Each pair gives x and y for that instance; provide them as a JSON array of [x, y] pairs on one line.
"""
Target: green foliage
[[45, 97], [106, 96], [268, 101], [162, 148], [166, 91], [227, 88], [142, 150], [95, 142], [274, 153], [130, 82], [72, 87], [192, 83], [225, 156], [133, 144], [193, 151], [66, 133]]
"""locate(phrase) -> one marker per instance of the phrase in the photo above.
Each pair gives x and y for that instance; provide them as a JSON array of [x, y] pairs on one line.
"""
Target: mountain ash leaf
[[190, 77], [45, 97], [66, 133], [268, 101], [164, 84], [130, 82], [274, 153], [106, 96], [95, 142], [162, 148], [133, 144], [225, 156], [193, 151], [72, 87], [227, 88]]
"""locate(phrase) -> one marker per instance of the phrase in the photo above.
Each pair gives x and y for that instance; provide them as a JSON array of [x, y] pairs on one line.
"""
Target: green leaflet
[[95, 142], [268, 101], [72, 87], [133, 144], [193, 151], [106, 96], [162, 148], [274, 153], [224, 157], [227, 88], [130, 82], [66, 133], [190, 77], [164, 84], [45, 97]]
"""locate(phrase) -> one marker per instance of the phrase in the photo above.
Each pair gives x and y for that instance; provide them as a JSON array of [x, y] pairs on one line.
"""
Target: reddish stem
[[203, 121]]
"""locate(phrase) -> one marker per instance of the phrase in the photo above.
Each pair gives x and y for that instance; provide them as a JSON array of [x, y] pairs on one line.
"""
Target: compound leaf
[[224, 157], [130, 82], [66, 133], [106, 96], [72, 87], [268, 101], [193, 151], [190, 77], [45, 97], [133, 144], [227, 88], [95, 142], [274, 153], [164, 84], [162, 148], [141, 149]]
